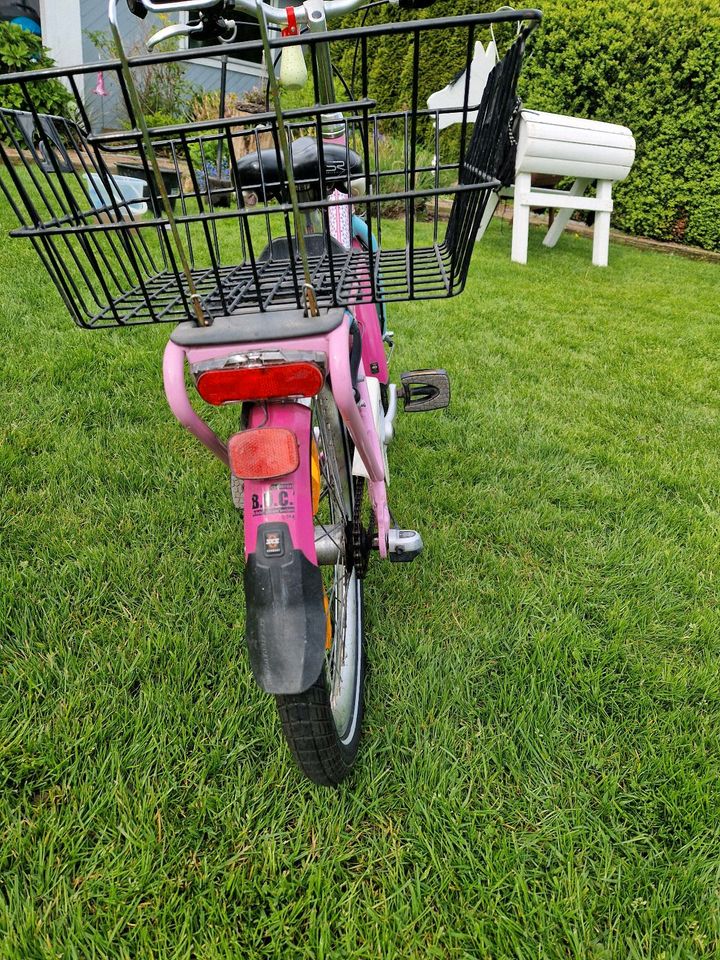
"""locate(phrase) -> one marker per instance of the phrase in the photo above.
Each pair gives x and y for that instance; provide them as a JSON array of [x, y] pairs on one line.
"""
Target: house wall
[[108, 112], [94, 16], [240, 78], [62, 30]]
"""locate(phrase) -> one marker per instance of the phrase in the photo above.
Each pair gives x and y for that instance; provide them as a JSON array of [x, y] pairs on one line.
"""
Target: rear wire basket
[[115, 261]]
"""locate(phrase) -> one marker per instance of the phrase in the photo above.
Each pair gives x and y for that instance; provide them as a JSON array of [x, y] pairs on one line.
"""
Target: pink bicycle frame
[[286, 601], [358, 418]]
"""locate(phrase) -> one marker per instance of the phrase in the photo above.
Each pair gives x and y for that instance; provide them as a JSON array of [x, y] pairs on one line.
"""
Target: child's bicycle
[[259, 237]]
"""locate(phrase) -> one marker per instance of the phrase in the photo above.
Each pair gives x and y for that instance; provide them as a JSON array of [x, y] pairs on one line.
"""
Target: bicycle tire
[[322, 725]]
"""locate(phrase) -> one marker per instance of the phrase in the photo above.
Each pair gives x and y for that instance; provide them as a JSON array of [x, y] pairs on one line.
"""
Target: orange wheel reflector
[[263, 453], [301, 379], [315, 476], [328, 622]]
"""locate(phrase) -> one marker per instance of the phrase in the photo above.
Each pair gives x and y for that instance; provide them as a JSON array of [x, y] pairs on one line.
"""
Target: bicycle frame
[[286, 640], [358, 418]]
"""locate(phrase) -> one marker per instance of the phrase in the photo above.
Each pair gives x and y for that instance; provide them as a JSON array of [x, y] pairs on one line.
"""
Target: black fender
[[286, 618]]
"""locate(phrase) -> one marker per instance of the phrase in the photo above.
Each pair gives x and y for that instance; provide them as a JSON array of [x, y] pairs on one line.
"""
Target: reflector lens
[[328, 622], [263, 453], [315, 476], [301, 379]]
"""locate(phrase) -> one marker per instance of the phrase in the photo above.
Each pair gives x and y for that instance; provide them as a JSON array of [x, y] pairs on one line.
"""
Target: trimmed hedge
[[654, 67], [390, 59]]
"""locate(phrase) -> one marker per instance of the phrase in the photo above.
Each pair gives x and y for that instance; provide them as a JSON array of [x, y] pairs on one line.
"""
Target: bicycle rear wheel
[[322, 724]]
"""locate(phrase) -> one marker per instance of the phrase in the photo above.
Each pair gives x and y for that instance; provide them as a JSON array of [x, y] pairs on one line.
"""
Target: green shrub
[[164, 92], [21, 50], [390, 58], [655, 68]]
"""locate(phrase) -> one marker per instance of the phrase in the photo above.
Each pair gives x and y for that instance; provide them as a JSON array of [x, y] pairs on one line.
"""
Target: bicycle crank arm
[[391, 413]]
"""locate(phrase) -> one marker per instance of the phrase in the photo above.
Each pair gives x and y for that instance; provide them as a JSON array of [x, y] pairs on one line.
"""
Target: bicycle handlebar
[[276, 15], [312, 13]]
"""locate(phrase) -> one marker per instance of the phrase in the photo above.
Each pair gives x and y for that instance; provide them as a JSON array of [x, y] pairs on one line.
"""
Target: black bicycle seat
[[263, 172]]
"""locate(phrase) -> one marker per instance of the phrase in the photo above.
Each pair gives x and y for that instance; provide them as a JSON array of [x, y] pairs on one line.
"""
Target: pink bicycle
[[276, 279]]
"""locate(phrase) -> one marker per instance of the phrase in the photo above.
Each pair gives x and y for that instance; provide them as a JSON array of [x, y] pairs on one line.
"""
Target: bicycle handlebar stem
[[315, 11]]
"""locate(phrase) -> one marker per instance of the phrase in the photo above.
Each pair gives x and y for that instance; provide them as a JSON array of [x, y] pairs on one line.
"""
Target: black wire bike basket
[[117, 260]]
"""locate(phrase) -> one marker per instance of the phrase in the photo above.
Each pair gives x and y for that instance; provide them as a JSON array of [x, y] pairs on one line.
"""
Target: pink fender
[[285, 499], [286, 616]]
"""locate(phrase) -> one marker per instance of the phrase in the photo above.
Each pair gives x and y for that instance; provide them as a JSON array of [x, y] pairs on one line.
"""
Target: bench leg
[[561, 220], [492, 203], [601, 231], [521, 218]]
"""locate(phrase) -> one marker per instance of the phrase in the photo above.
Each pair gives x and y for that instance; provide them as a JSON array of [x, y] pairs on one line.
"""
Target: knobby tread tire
[[323, 754], [311, 735]]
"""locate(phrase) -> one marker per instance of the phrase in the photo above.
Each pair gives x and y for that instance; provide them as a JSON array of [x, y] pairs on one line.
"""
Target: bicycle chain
[[361, 538]]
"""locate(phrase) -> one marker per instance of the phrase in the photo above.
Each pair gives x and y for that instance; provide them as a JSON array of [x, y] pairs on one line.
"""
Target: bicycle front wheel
[[322, 724]]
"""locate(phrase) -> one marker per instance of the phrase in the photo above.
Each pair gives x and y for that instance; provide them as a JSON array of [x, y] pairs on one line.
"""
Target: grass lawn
[[540, 773]]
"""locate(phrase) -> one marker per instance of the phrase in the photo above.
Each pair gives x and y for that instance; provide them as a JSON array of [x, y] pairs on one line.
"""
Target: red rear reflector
[[301, 379], [263, 453]]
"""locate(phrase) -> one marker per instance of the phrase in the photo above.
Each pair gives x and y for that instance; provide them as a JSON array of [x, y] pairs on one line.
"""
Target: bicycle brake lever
[[174, 30]]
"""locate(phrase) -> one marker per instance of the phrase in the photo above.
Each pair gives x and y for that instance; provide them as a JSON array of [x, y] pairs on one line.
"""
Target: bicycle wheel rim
[[342, 667]]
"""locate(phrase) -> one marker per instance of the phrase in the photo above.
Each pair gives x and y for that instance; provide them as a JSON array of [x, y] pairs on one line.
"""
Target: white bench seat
[[587, 151]]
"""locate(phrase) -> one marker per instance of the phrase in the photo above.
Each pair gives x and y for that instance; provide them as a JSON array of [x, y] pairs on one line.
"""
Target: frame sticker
[[276, 499]]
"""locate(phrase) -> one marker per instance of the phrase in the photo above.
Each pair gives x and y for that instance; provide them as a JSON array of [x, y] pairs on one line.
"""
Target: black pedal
[[423, 390]]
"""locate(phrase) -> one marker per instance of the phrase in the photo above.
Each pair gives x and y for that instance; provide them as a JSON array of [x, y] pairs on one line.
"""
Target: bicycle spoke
[[327, 533]]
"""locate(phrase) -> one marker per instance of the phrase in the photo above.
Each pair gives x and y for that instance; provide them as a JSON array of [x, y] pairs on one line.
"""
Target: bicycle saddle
[[260, 172]]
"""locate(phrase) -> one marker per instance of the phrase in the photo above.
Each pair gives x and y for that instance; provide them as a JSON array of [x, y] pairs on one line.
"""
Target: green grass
[[540, 773]]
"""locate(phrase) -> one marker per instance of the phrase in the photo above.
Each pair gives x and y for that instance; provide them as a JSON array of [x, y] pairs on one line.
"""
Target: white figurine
[[453, 95]]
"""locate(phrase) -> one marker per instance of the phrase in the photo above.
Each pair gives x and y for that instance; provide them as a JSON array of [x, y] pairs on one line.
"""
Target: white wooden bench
[[586, 150]]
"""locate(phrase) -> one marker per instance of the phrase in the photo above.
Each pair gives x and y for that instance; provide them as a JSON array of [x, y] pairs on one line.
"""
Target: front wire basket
[[109, 250]]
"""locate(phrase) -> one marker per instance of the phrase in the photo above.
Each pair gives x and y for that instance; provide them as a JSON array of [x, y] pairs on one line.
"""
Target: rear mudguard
[[286, 618]]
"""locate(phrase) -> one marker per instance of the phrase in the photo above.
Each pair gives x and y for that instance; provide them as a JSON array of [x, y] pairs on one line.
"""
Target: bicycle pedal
[[404, 545], [424, 390]]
